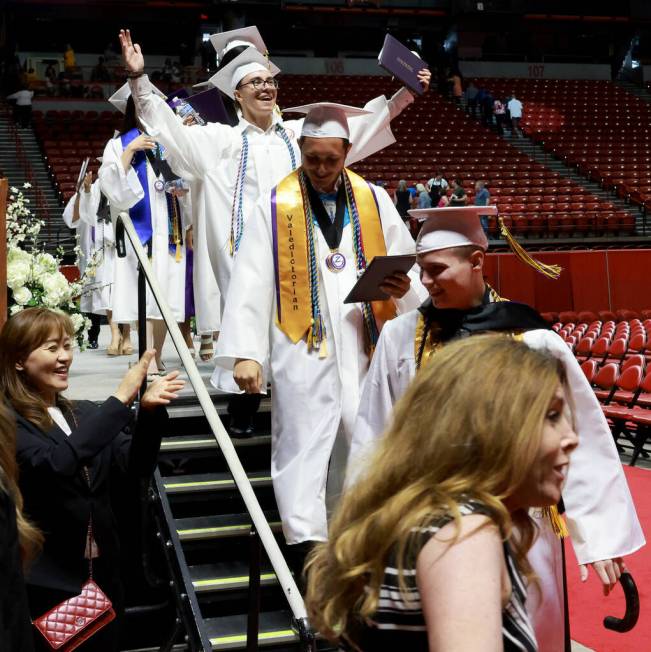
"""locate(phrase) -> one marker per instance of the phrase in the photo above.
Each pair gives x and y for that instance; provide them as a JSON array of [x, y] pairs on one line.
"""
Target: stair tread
[[205, 481], [219, 525], [229, 632], [226, 575], [204, 442]]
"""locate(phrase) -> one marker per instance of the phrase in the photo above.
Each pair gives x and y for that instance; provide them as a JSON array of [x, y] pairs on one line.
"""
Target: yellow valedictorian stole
[[295, 256]]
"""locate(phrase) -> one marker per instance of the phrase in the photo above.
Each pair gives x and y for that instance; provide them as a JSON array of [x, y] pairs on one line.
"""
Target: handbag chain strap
[[89, 532]]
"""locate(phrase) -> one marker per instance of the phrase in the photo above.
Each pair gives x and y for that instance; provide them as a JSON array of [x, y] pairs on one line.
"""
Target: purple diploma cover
[[402, 63], [209, 105]]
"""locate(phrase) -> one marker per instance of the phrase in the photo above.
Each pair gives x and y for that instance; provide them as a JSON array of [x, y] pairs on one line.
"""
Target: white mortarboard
[[228, 78], [225, 41], [120, 97], [456, 226], [326, 119]]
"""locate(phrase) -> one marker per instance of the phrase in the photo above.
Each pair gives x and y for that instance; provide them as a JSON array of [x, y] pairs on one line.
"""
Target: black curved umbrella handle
[[632, 614]]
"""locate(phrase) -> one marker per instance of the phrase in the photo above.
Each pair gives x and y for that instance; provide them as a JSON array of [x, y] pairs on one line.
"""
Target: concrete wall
[[535, 70]]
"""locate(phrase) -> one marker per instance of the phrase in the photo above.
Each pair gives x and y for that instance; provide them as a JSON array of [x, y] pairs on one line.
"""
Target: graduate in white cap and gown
[[600, 515], [304, 247], [88, 214], [239, 164], [130, 183]]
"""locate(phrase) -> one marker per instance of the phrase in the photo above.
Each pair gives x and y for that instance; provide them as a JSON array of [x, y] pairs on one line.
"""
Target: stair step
[[200, 482], [208, 442], [222, 526], [226, 576], [229, 632]]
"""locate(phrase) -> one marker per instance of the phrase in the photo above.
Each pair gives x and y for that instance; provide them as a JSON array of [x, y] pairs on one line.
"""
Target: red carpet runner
[[588, 606]]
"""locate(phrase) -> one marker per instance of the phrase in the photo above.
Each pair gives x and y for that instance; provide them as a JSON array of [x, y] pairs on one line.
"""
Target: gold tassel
[[557, 521], [178, 253], [550, 271], [323, 349]]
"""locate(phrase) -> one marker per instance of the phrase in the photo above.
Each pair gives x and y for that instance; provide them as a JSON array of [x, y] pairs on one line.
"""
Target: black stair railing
[[261, 536]]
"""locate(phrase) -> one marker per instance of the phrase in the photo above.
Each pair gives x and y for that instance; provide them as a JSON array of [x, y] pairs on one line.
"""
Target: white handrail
[[223, 439]]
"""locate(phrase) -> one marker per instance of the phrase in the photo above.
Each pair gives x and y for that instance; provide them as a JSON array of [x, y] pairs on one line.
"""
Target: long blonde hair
[[23, 333], [30, 538], [468, 427]]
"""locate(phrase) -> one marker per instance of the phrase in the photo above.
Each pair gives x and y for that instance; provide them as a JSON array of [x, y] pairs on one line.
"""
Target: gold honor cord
[[294, 311], [550, 271]]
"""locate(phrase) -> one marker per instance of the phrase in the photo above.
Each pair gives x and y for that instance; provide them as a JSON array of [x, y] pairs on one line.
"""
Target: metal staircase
[[22, 161], [540, 155], [204, 523], [216, 517]]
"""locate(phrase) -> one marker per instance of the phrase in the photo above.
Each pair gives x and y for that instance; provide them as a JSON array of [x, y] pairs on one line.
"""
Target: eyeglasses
[[259, 83]]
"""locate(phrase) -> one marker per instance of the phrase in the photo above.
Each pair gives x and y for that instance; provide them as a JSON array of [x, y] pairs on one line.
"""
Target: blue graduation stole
[[140, 214]]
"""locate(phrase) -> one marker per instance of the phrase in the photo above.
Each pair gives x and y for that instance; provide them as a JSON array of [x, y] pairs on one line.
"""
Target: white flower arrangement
[[33, 276]]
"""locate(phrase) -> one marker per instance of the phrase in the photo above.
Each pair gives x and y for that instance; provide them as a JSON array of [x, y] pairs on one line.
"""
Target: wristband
[[136, 74]]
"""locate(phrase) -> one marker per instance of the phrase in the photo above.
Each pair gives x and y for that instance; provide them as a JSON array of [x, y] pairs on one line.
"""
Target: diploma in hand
[[367, 287], [402, 63], [82, 173]]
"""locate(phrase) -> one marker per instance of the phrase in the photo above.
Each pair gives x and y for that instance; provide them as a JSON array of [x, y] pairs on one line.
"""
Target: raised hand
[[424, 77], [133, 379], [88, 181], [162, 391], [141, 142], [131, 52]]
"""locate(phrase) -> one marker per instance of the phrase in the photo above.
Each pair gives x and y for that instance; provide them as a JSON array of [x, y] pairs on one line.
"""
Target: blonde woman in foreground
[[423, 551]]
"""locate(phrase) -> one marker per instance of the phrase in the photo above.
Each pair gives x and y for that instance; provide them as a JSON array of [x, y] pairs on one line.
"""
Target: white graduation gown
[[212, 153], [312, 397], [600, 512], [96, 296], [123, 191], [207, 298]]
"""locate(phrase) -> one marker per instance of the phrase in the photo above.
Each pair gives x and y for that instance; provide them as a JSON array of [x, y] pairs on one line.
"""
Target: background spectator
[[499, 110], [482, 198], [69, 60], [23, 106], [515, 109], [100, 72], [437, 187], [402, 199], [424, 200], [456, 87], [458, 197], [471, 99]]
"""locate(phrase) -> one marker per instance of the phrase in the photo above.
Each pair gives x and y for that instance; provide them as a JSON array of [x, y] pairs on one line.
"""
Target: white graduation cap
[[249, 36], [228, 78], [454, 226], [326, 119], [120, 97]]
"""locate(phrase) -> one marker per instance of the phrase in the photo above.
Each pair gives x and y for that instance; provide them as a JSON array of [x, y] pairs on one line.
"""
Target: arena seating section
[[615, 354], [431, 134], [596, 126], [67, 137]]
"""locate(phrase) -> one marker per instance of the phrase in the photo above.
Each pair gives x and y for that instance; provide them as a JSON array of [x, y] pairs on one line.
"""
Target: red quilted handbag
[[73, 621]]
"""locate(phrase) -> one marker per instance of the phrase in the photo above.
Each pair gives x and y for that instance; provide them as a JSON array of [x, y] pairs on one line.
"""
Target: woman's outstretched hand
[[162, 391], [133, 379], [131, 52]]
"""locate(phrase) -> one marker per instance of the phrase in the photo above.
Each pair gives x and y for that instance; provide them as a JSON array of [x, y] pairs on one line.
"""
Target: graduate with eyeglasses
[[304, 248], [239, 164]]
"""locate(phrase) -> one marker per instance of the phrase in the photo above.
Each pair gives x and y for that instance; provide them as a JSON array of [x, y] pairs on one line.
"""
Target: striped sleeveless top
[[399, 623]]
